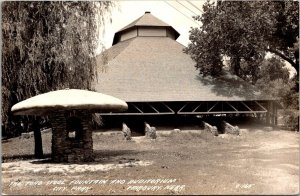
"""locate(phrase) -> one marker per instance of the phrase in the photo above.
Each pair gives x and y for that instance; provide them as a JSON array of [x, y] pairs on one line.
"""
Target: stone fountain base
[[76, 148]]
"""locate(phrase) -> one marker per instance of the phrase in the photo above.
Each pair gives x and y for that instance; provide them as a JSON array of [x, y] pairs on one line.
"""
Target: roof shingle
[[150, 69], [146, 20]]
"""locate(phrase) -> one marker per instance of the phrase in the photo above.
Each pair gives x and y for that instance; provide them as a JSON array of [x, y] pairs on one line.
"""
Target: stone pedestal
[[126, 131], [209, 128], [71, 149], [150, 132], [229, 129]]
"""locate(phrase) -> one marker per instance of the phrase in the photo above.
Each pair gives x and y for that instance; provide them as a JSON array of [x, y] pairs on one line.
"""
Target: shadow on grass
[[12, 158], [5, 140], [101, 157], [114, 156], [113, 153]]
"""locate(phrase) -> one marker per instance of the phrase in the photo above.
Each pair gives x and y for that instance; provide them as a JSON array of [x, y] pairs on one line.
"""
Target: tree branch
[[283, 57]]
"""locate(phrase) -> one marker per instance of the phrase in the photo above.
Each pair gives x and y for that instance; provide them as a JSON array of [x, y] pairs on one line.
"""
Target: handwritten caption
[[137, 185]]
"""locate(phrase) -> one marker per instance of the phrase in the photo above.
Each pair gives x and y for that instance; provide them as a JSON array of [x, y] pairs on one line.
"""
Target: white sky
[[129, 11]]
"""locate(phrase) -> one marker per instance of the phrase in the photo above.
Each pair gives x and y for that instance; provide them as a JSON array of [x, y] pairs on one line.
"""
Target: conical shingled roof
[[147, 20], [155, 69]]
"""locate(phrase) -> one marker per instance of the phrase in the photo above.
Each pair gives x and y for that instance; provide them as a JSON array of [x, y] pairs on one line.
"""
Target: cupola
[[146, 26]]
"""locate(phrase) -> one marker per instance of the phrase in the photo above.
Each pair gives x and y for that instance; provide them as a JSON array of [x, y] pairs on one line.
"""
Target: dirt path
[[256, 162]]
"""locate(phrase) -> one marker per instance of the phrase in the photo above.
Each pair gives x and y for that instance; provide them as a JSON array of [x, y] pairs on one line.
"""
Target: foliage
[[48, 46], [274, 80], [244, 31], [272, 70], [291, 119]]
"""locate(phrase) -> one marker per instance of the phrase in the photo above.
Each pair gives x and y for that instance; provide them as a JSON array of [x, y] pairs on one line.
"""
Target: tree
[[244, 31], [47, 46], [274, 80]]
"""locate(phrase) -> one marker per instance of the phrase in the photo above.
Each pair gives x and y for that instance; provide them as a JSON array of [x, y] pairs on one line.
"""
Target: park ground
[[186, 161]]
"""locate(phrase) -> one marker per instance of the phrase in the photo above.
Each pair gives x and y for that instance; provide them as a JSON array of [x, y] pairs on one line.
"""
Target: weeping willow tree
[[47, 46]]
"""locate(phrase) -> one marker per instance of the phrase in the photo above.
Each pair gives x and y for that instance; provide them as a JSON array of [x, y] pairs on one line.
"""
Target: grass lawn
[[186, 162]]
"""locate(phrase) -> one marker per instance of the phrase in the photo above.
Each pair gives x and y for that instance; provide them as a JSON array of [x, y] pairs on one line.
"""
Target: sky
[[175, 13]]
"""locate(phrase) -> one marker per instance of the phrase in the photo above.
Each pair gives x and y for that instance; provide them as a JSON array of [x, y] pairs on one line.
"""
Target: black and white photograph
[[178, 97]]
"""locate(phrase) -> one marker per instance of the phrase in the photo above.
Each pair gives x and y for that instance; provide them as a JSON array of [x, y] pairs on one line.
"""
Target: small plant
[[291, 119]]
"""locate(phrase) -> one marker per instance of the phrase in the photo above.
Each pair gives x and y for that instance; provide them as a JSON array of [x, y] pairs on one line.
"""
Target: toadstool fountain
[[61, 105]]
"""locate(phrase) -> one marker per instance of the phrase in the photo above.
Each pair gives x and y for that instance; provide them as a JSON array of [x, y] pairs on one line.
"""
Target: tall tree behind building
[[48, 46], [245, 31], [274, 80]]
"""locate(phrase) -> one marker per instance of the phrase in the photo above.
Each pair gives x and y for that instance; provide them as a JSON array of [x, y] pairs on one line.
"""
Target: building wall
[[171, 34], [145, 31], [129, 34], [155, 32]]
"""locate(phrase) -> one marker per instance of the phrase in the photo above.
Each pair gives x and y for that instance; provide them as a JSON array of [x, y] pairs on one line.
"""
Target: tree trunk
[[38, 145], [296, 77], [236, 65], [297, 64]]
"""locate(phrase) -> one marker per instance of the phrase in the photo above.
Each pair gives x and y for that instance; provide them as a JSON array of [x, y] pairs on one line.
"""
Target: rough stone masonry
[[126, 131], [209, 128], [228, 128], [150, 132], [66, 149]]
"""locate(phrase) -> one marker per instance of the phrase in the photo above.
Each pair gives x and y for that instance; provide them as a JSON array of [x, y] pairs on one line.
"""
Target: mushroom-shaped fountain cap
[[70, 99]]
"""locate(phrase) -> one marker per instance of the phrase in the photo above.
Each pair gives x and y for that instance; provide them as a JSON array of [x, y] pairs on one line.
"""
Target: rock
[[212, 129], [27, 135], [71, 134], [48, 130], [268, 128], [126, 131], [150, 132], [228, 128]]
